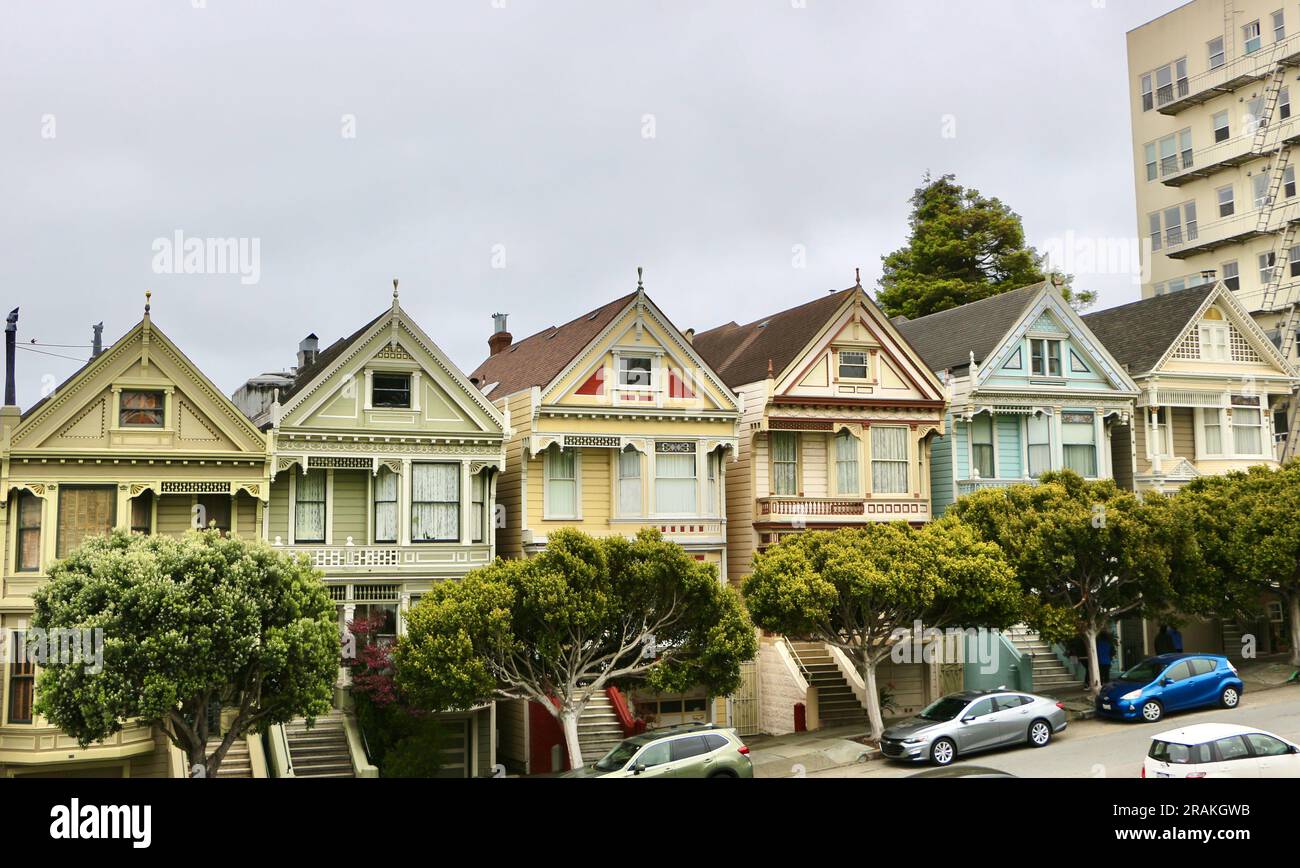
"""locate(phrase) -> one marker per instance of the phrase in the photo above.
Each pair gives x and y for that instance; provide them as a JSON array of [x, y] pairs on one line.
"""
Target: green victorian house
[[384, 467]]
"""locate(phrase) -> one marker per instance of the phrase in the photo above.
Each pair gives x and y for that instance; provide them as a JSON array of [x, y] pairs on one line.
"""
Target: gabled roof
[[325, 358], [946, 339], [1139, 334], [740, 354], [538, 359]]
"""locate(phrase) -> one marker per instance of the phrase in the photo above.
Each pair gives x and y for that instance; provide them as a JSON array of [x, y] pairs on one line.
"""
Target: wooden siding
[[350, 507]]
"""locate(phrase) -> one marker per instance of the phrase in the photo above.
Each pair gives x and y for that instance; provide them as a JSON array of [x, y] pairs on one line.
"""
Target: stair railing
[[794, 655]]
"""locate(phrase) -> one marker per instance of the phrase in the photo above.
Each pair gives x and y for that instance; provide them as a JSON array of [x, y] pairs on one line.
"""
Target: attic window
[[141, 409], [636, 372], [853, 365], [391, 391]]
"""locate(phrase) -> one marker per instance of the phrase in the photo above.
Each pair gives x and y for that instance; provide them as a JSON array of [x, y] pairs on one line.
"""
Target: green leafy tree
[[187, 621], [560, 627], [863, 589], [1086, 553], [1249, 538], [963, 247]]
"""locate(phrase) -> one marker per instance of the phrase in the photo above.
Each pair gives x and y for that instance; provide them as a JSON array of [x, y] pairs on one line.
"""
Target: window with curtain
[[629, 482], [1159, 444], [714, 462], [846, 464], [675, 477], [1212, 431], [478, 484], [28, 556], [435, 502], [22, 678], [1038, 436], [561, 482], [84, 512], [981, 446], [889, 460], [386, 506], [1079, 443], [1247, 431], [785, 463], [309, 507], [142, 513]]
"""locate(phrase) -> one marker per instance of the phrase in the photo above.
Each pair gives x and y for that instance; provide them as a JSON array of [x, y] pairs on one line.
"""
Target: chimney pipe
[[11, 341], [97, 343], [307, 351], [500, 340]]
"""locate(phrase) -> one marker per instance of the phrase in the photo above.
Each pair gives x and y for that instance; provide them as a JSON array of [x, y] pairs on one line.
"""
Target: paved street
[[1103, 748]]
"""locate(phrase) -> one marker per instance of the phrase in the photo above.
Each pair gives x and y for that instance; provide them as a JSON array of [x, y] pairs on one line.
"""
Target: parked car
[[686, 751], [972, 721], [1171, 682], [962, 772], [1221, 750]]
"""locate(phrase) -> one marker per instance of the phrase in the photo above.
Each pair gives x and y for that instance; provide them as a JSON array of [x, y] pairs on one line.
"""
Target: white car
[[1221, 750]]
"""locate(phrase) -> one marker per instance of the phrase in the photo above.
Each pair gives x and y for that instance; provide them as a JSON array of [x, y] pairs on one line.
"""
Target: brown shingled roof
[[325, 358], [539, 359], [740, 354], [1139, 334]]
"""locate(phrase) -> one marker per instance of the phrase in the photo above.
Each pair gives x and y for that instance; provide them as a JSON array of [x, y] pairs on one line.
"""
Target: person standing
[[1105, 651], [1176, 640], [1164, 640]]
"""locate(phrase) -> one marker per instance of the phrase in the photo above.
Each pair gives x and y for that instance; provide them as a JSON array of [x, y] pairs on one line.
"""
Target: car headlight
[[1132, 694], [914, 740]]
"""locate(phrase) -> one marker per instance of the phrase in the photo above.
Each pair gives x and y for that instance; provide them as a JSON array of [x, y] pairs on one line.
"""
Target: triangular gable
[[1247, 341], [1050, 315], [443, 401], [897, 371], [592, 379], [79, 415]]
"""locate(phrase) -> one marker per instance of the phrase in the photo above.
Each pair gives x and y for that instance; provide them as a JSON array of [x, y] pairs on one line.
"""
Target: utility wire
[[56, 355]]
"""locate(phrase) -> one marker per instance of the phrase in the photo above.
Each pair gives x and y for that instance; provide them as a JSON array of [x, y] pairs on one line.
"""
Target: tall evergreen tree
[[963, 247]]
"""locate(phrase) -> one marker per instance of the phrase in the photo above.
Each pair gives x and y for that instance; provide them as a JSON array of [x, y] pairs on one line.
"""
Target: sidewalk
[[793, 755], [1265, 673]]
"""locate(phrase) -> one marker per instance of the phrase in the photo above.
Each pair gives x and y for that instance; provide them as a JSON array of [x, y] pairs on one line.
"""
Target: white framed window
[[636, 372], [675, 479], [478, 502], [560, 481], [1288, 182], [981, 447], [1079, 443], [1250, 37], [854, 365], [1160, 443], [1216, 52], [1284, 103], [630, 502], [1247, 426], [1154, 233], [1211, 423], [386, 506], [435, 502], [1220, 124], [1045, 357], [1231, 275], [390, 391], [1279, 25], [1038, 437], [889, 460], [1227, 204], [1148, 99], [1152, 164], [1214, 342], [1266, 263], [785, 463], [847, 481], [1259, 186], [309, 507], [714, 462]]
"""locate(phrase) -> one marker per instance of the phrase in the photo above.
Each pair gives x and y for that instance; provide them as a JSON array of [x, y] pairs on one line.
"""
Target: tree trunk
[[1094, 667], [197, 758], [873, 696], [569, 723], [1293, 604]]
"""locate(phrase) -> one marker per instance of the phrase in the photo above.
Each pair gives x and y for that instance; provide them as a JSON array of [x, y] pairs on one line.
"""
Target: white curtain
[[846, 464], [889, 461], [675, 484], [479, 483], [981, 432], [1213, 432], [435, 502], [309, 511], [1246, 425], [715, 469], [629, 482], [386, 506], [562, 483], [1040, 449], [784, 458], [1079, 439]]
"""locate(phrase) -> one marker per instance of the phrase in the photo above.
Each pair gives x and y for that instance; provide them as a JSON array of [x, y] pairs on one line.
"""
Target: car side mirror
[[968, 718], [1165, 682], [638, 768]]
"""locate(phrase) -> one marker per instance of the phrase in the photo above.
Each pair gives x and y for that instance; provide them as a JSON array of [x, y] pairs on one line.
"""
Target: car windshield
[[946, 708], [618, 757], [1147, 670]]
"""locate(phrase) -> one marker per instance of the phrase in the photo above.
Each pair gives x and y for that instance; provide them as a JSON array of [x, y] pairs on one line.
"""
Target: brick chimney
[[307, 351], [500, 340]]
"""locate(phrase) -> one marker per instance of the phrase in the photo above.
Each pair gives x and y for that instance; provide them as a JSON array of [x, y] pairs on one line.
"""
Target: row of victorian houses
[[391, 469]]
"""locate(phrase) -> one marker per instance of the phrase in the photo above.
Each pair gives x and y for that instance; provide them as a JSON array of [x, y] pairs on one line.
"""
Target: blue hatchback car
[[1171, 682]]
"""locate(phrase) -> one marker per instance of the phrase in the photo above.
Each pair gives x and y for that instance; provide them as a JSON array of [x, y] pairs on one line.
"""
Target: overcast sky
[[524, 156]]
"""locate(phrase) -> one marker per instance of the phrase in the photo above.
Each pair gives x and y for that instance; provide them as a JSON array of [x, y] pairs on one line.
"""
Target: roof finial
[[147, 295], [394, 289], [770, 373], [639, 284], [857, 278]]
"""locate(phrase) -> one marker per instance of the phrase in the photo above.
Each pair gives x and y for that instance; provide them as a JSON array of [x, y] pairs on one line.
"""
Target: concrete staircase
[[837, 705], [599, 730], [322, 751], [238, 763], [1232, 634], [1050, 674]]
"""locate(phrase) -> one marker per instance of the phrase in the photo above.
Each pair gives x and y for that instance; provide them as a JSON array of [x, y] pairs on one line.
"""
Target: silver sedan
[[972, 721]]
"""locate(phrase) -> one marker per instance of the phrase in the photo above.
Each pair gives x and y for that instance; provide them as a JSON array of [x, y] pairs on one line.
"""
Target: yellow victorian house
[[617, 424], [137, 440]]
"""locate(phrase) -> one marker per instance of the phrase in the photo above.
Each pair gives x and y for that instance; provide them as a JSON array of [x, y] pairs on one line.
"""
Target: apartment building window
[[309, 507], [386, 506], [1217, 55], [28, 556], [675, 479], [1045, 358], [1153, 165], [1185, 147], [981, 446], [1247, 426], [1179, 224], [142, 513], [1279, 25], [1227, 204], [636, 372], [889, 460], [140, 409], [1231, 276], [390, 391], [1293, 256], [1284, 103], [846, 464], [1038, 436], [1148, 101], [1259, 185], [478, 498], [22, 679], [785, 464], [1250, 35], [1164, 85], [561, 482], [435, 502], [629, 482], [84, 511], [1266, 263], [1288, 182], [1220, 124], [1079, 443], [853, 365], [1155, 234]]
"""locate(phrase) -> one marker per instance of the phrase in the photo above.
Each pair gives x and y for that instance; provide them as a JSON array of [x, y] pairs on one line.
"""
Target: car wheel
[[1230, 697], [943, 752], [1040, 733], [1152, 711], [721, 775]]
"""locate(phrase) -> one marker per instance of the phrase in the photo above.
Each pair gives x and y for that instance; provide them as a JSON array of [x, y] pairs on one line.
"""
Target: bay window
[[1038, 438], [785, 464], [1079, 442], [84, 511], [630, 500], [981, 447], [386, 506], [561, 482], [1212, 431], [1247, 426], [1160, 434], [846, 464], [435, 502], [309, 507], [675, 479], [889, 460]]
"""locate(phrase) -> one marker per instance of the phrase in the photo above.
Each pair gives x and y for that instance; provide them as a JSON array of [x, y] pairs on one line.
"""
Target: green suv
[[687, 751]]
